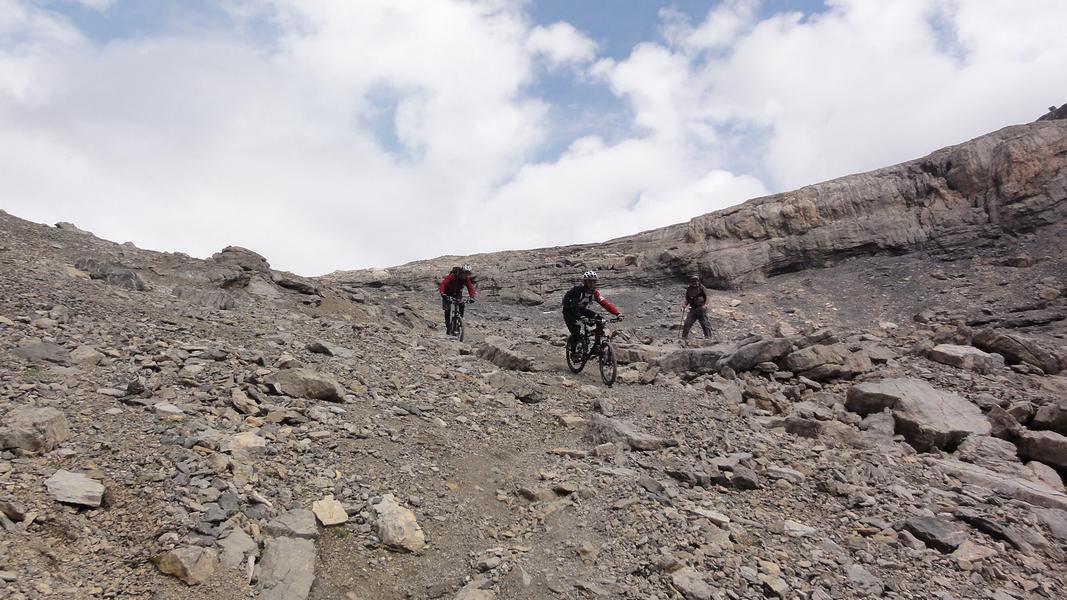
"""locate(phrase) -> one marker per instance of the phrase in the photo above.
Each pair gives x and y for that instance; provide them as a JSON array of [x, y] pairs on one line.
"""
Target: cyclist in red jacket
[[452, 287]]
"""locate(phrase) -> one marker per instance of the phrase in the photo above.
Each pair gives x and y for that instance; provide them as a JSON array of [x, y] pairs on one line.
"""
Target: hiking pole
[[682, 329]]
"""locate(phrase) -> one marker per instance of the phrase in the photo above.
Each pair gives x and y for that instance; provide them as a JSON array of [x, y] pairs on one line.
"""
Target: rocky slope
[[891, 424]]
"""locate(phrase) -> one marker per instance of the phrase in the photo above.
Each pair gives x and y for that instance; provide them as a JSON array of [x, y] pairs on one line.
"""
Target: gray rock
[[867, 584], [297, 523], [1048, 447], [940, 534], [214, 299], [75, 488], [110, 273], [965, 357], [34, 429], [928, 418], [296, 283], [992, 453], [43, 352], [320, 347], [498, 351], [286, 570], [604, 429], [235, 547], [306, 383], [191, 564], [691, 584]]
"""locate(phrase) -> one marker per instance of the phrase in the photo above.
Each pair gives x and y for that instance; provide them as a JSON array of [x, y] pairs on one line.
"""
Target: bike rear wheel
[[608, 368], [577, 358]]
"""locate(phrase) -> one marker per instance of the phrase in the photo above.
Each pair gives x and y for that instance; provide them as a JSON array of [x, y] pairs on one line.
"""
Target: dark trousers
[[447, 305], [571, 316], [696, 314]]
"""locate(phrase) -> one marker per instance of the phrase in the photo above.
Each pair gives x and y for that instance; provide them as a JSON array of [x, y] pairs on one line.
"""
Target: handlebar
[[458, 300]]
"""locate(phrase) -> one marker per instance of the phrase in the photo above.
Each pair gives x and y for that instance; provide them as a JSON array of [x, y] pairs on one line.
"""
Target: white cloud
[[864, 85], [560, 43], [352, 134]]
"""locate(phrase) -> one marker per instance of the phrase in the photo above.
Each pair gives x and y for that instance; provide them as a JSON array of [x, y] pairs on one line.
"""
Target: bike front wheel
[[608, 368], [577, 357], [457, 327]]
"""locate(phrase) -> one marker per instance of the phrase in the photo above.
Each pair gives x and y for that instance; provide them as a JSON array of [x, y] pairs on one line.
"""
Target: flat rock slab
[[927, 417], [286, 569], [191, 564], [940, 534], [1012, 487], [965, 357], [397, 526], [75, 488], [43, 352], [34, 429], [306, 383], [1017, 349], [297, 523]]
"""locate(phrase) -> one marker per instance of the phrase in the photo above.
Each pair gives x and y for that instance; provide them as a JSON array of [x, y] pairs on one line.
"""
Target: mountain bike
[[586, 348], [457, 315]]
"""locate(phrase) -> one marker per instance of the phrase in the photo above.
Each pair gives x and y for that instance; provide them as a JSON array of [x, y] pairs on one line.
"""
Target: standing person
[[696, 299], [576, 304], [451, 289]]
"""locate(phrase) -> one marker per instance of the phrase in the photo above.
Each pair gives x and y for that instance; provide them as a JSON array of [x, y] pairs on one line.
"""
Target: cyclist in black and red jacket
[[576, 304], [452, 287]]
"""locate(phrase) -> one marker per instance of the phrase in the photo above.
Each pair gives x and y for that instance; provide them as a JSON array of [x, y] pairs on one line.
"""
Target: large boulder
[[111, 273], [34, 429], [306, 383], [497, 350], [748, 355], [831, 361], [927, 417], [1048, 447], [1052, 416], [242, 258], [1016, 348], [296, 283], [965, 357]]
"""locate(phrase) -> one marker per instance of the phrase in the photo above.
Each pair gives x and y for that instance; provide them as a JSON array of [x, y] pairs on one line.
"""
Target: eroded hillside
[[892, 423]]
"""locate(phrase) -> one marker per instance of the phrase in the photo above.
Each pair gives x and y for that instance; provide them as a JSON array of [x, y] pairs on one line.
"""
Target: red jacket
[[453, 286]]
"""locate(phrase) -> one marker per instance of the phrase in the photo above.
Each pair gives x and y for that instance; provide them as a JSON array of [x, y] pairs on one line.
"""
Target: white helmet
[[589, 276], [466, 269]]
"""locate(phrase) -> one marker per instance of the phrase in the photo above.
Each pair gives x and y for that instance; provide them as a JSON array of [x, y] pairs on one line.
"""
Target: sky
[[343, 134]]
